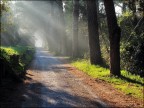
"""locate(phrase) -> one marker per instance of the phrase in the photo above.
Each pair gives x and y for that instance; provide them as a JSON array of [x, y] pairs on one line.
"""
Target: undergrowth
[[21, 51]]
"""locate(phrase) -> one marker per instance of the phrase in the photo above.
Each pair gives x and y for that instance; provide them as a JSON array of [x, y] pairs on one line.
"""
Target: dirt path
[[106, 92], [51, 83]]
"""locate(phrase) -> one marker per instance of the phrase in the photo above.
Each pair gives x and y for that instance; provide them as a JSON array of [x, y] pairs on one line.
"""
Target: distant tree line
[[90, 29]]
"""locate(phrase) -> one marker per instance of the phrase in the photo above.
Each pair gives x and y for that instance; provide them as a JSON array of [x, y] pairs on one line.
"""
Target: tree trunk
[[75, 27], [62, 29], [95, 53], [114, 37], [52, 29]]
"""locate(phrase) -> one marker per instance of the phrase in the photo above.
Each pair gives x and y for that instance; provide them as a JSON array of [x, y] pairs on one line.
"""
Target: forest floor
[[53, 82]]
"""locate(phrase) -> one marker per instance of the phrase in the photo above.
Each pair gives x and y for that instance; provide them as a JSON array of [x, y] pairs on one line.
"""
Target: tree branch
[[138, 24]]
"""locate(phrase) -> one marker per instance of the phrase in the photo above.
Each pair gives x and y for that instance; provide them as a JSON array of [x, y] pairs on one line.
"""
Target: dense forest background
[[44, 43], [79, 29]]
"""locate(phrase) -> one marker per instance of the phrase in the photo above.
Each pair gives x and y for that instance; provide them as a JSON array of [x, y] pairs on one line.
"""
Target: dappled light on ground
[[49, 84]]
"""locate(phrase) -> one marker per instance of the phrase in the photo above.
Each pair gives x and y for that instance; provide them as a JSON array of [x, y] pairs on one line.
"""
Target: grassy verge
[[128, 83], [25, 56]]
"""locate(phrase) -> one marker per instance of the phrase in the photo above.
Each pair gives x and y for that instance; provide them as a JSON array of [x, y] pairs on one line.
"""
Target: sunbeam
[[33, 16]]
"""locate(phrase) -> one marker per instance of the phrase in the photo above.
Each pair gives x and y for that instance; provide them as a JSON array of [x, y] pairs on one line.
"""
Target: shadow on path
[[39, 95], [43, 96], [47, 86]]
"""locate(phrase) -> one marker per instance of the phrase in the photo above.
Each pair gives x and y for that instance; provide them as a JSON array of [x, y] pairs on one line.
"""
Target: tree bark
[[94, 44], [114, 37], [52, 29], [62, 29], [75, 27]]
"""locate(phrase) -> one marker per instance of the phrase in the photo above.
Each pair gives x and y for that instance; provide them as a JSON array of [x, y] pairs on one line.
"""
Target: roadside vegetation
[[15, 60], [128, 83]]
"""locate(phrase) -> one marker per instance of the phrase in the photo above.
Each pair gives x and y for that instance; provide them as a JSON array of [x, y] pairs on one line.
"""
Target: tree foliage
[[57, 23], [132, 44]]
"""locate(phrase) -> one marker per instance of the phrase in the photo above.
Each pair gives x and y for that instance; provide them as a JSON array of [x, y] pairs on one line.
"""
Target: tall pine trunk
[[114, 37], [94, 44], [75, 28], [62, 29]]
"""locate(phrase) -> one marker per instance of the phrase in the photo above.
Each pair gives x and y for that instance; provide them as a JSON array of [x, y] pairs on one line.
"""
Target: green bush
[[21, 52], [132, 44]]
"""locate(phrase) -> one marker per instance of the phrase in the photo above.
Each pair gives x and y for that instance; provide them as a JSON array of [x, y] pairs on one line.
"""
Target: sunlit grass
[[9, 50], [16, 50], [21, 51], [6, 52], [13, 50], [132, 86]]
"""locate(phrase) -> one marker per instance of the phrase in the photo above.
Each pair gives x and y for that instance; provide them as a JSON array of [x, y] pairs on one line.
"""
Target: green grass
[[14, 50], [6, 52], [129, 84], [9, 50]]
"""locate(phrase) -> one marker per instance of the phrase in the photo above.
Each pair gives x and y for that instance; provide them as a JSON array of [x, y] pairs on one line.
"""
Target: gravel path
[[52, 85]]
